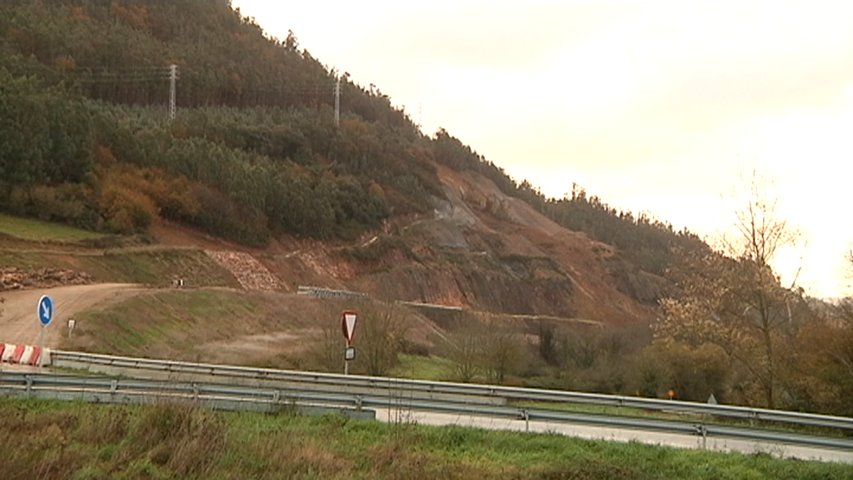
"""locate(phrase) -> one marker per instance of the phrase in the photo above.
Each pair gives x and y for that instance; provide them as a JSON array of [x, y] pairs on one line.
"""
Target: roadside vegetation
[[294, 332], [67, 440]]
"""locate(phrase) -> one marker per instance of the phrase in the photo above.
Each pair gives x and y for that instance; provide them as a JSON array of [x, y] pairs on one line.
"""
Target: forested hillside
[[253, 152]]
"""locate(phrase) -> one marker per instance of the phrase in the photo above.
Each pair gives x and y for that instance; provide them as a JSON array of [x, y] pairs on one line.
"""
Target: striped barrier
[[23, 354]]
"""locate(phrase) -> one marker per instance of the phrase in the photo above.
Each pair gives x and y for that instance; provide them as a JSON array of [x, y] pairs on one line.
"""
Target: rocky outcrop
[[251, 273]]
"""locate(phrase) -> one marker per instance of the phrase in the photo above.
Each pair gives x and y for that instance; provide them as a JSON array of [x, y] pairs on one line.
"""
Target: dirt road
[[18, 321]]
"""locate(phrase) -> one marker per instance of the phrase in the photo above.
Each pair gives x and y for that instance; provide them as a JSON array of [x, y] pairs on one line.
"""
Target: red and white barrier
[[23, 354]]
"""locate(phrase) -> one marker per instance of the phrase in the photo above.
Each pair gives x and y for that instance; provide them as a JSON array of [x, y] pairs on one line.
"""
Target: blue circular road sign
[[45, 310]]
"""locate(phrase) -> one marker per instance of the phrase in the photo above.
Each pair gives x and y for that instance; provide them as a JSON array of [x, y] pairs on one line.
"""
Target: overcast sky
[[661, 107]]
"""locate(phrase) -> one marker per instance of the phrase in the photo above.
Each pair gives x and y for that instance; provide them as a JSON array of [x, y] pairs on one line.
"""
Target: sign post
[[348, 320], [44, 311]]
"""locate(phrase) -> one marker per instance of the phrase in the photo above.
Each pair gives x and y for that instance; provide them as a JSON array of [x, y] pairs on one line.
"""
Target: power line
[[92, 76], [173, 78], [338, 102]]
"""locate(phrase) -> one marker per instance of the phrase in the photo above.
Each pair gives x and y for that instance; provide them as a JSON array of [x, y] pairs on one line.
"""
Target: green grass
[[50, 439], [37, 230], [152, 267], [169, 322], [182, 324], [424, 368]]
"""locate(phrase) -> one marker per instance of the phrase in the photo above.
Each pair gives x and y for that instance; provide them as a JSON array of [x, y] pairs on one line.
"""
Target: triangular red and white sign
[[348, 319]]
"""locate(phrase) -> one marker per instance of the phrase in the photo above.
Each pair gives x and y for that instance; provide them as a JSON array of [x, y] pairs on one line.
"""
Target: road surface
[[402, 415], [19, 323]]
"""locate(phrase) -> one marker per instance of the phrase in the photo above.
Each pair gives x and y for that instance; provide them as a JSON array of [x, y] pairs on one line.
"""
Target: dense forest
[[255, 153]]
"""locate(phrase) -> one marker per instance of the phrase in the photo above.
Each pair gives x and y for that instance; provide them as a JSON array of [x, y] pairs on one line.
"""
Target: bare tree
[[464, 348], [737, 301], [329, 350], [381, 334], [483, 347], [501, 354]]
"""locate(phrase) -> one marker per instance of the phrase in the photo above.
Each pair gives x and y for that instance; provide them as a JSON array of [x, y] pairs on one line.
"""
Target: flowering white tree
[[735, 300]]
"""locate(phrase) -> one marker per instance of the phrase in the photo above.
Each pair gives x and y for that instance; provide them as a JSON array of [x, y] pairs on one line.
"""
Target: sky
[[658, 107]]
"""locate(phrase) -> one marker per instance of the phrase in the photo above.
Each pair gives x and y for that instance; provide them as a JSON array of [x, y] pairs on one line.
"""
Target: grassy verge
[[56, 440], [168, 322], [152, 267], [36, 230], [424, 368], [199, 324]]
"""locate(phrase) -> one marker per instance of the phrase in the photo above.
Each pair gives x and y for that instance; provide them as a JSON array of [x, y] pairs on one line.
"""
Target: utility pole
[[173, 78], [338, 101]]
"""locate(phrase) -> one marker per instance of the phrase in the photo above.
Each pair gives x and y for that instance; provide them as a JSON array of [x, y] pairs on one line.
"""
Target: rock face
[[251, 273], [12, 278]]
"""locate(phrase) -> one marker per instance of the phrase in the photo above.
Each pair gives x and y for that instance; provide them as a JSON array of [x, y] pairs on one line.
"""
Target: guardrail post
[[195, 392], [525, 415], [113, 387], [276, 396], [702, 431], [358, 402], [29, 384]]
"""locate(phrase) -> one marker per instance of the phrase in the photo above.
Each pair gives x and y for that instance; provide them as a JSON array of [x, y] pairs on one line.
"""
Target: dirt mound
[[177, 235]]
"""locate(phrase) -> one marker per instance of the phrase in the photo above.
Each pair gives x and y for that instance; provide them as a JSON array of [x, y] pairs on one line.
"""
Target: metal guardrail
[[235, 397], [420, 389], [131, 391], [322, 292]]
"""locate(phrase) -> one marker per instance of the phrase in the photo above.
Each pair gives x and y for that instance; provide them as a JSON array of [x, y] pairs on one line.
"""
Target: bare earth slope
[[482, 250]]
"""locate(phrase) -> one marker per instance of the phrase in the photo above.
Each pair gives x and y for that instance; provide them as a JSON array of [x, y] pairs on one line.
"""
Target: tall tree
[[736, 301]]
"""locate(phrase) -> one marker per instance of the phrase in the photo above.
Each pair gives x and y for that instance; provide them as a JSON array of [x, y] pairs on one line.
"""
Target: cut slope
[[484, 250]]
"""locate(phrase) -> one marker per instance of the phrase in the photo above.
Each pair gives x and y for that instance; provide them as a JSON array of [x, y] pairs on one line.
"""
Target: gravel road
[[18, 320]]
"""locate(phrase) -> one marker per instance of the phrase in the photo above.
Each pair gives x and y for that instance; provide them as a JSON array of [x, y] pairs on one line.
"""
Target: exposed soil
[[483, 250], [255, 349], [174, 235]]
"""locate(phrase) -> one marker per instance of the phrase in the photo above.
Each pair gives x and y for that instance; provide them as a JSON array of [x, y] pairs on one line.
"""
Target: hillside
[[255, 189], [254, 157]]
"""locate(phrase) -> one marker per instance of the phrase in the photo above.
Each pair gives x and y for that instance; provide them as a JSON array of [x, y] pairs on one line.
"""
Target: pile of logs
[[13, 278]]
